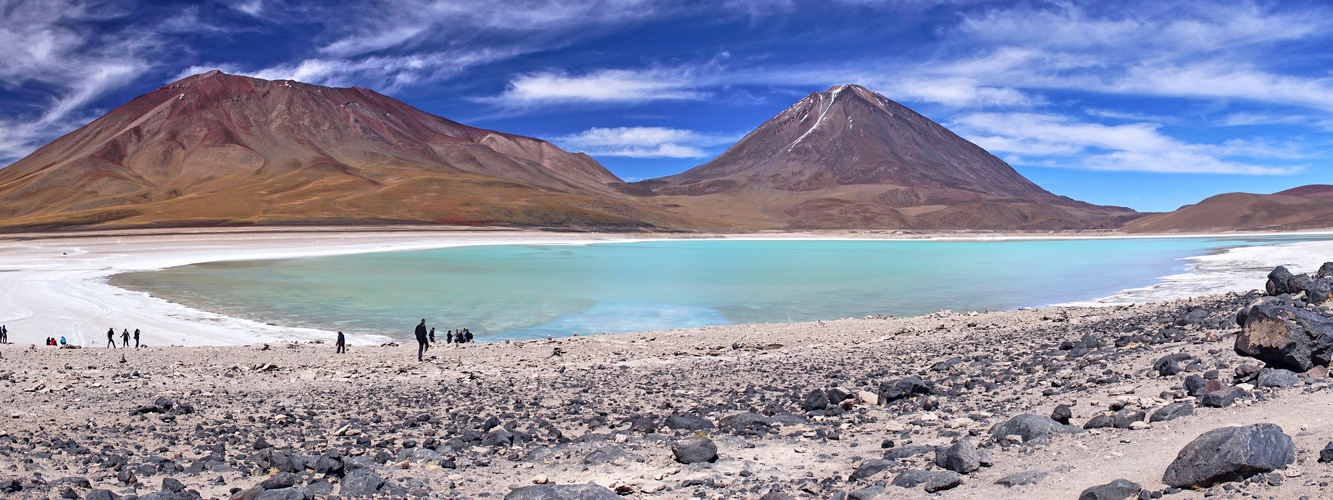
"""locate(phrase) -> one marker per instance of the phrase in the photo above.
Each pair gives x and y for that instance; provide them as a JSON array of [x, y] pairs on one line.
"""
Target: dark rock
[[1033, 428], [1230, 454], [1325, 270], [1099, 422], [837, 396], [283, 480], [946, 365], [815, 400], [562, 492], [875, 492], [101, 495], [688, 423], [284, 494], [694, 449], [907, 451], [1286, 337], [644, 425], [1277, 377], [606, 455], [261, 444], [171, 484], [869, 468], [933, 481], [1022, 478], [1172, 412], [1318, 291], [162, 495], [1062, 414], [777, 495], [902, 388], [69, 493], [1222, 398], [1120, 489], [1194, 385], [1277, 281], [1193, 317], [1124, 418], [1170, 364], [361, 483], [961, 457], [1326, 454]]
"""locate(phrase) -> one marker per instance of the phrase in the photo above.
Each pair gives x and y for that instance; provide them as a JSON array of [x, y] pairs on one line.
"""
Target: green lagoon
[[522, 292]]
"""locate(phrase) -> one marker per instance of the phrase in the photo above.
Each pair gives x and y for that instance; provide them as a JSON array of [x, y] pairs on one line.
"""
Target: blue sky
[[1150, 105]]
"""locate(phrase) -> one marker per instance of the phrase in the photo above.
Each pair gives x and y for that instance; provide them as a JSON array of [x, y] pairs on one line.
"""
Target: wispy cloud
[[1058, 141], [645, 142], [603, 86]]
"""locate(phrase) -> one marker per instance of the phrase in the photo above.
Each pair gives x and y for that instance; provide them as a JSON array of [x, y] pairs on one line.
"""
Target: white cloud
[[959, 93], [603, 86], [251, 7], [644, 142], [1141, 147]]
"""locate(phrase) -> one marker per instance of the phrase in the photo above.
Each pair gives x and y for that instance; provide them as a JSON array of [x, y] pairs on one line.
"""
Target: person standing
[[4, 335], [342, 343], [136, 338], [432, 335], [111, 337], [125, 338], [449, 337], [421, 339]]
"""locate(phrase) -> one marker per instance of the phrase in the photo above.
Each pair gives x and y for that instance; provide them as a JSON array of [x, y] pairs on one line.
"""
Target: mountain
[[219, 149], [1305, 207], [849, 158]]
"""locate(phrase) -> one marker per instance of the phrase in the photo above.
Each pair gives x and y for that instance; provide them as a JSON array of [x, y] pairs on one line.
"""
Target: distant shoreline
[[54, 284]]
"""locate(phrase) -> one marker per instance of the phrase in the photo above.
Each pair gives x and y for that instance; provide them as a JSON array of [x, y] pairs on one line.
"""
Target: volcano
[[850, 158], [218, 149]]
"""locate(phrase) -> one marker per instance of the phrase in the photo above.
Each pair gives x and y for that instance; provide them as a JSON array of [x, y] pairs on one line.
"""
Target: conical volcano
[[850, 158], [219, 149]]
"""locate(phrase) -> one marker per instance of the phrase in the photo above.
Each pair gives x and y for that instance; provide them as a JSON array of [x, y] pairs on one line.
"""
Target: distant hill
[[1305, 207], [219, 149], [849, 158]]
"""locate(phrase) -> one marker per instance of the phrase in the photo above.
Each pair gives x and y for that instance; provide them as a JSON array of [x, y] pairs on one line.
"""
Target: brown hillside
[[1242, 212]]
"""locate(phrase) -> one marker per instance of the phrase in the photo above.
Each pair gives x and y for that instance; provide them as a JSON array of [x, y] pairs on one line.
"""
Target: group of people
[[52, 341], [425, 338], [124, 338]]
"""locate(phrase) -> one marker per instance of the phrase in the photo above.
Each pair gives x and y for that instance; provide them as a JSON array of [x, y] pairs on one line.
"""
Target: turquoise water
[[522, 291]]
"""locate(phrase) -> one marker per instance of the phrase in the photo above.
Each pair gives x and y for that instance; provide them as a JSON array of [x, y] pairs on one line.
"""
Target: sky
[[1145, 104]]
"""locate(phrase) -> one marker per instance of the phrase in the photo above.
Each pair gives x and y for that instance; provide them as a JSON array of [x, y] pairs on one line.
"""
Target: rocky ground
[[856, 408]]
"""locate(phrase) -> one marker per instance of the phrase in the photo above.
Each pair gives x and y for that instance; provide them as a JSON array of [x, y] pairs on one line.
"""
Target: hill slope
[[850, 158], [1245, 212], [219, 149]]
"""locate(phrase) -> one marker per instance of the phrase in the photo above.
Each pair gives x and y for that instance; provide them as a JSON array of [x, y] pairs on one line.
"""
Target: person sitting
[[62, 340]]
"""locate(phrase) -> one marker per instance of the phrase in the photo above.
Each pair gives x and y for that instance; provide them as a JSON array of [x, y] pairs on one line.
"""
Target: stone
[[562, 492], [101, 495], [1194, 385], [961, 457], [361, 483], [1022, 478], [1120, 489], [1222, 398], [815, 400], [872, 493], [869, 468], [1318, 291], [1286, 337], [932, 481], [1230, 454], [1170, 364], [1125, 417], [694, 449], [172, 485], [1277, 377], [1277, 281], [1326, 454], [283, 480], [1325, 270], [162, 495], [1062, 414], [902, 388], [609, 454], [688, 423], [1099, 422], [1033, 428], [283, 494], [1172, 411], [946, 365]]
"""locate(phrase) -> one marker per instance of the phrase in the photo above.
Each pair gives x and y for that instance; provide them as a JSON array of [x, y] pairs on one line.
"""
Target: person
[[468, 334], [4, 335], [421, 339], [432, 335], [111, 337], [342, 343], [449, 337], [125, 338], [136, 338], [62, 340]]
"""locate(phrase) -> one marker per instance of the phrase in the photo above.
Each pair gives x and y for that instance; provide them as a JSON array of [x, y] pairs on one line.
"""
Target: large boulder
[[1230, 454], [1319, 291], [1032, 428], [1277, 377], [1120, 489], [902, 388], [1277, 281], [1172, 412], [687, 423], [361, 483], [869, 468], [961, 457], [694, 449], [815, 400], [1286, 337], [1170, 364], [562, 492]]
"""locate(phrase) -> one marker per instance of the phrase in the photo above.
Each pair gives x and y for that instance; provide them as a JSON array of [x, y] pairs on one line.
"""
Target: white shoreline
[[54, 284]]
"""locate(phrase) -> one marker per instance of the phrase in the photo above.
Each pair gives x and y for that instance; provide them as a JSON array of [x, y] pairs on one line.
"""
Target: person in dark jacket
[[136, 338], [342, 343], [125, 338], [421, 339], [432, 335], [111, 337], [449, 337], [468, 334]]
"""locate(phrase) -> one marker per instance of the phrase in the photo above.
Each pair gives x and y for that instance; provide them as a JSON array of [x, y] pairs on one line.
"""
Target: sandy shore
[[52, 284]]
